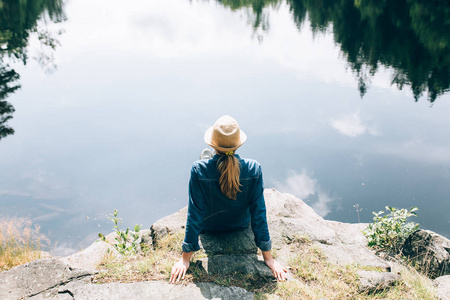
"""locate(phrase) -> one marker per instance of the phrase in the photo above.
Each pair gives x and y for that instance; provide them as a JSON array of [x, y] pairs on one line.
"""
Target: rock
[[170, 224], [146, 239], [232, 252], [429, 251], [348, 233], [289, 219], [371, 280], [37, 277], [229, 264], [443, 287], [343, 255], [342, 243], [146, 290], [237, 242], [90, 257]]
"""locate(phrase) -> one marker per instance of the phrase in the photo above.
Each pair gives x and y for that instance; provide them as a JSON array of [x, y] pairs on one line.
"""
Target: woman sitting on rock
[[225, 194]]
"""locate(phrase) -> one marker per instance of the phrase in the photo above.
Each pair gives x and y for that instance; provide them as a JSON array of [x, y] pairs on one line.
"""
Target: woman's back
[[223, 213]]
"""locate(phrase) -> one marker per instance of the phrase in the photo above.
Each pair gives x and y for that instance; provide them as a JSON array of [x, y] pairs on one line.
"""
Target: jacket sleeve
[[196, 210], [258, 215]]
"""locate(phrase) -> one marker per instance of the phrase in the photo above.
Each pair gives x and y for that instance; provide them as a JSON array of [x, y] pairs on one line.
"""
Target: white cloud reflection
[[351, 125], [306, 188]]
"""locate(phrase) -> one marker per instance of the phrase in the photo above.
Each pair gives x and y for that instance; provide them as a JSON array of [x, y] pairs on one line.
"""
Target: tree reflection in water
[[410, 36], [19, 20]]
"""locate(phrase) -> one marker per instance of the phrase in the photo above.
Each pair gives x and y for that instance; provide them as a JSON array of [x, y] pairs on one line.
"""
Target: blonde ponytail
[[229, 169]]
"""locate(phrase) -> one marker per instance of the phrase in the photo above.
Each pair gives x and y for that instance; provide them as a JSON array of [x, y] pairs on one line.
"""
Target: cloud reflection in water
[[306, 188], [351, 125]]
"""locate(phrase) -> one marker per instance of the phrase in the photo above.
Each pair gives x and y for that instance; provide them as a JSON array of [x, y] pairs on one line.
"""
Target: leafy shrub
[[127, 241], [388, 232]]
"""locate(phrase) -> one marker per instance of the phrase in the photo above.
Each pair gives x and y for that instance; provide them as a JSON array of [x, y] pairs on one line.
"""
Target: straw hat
[[225, 135]]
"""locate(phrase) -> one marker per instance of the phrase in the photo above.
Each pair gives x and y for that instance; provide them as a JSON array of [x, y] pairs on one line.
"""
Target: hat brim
[[208, 140]]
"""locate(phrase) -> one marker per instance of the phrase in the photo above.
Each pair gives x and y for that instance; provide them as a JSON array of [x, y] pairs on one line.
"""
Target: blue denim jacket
[[209, 210]]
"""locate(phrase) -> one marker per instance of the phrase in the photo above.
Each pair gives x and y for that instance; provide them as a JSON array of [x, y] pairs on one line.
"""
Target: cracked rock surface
[[54, 279], [38, 277], [144, 290]]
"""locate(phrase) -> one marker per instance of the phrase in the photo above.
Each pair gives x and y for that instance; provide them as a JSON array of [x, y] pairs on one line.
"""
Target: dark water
[[103, 106]]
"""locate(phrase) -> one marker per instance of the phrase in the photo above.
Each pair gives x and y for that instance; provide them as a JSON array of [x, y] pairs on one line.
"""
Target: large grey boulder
[[36, 277], [144, 290], [290, 221], [429, 251], [443, 287], [53, 279], [290, 218]]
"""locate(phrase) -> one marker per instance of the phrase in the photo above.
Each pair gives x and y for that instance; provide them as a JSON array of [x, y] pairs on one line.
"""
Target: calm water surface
[[114, 100]]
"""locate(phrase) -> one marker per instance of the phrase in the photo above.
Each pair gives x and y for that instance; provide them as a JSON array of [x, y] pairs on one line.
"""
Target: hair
[[229, 169]]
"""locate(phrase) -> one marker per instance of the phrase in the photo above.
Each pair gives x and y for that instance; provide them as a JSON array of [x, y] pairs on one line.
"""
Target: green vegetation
[[390, 231], [153, 264], [19, 242], [127, 241]]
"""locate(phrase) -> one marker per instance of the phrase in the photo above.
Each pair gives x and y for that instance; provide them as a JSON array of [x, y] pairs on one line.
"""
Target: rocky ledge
[[290, 220]]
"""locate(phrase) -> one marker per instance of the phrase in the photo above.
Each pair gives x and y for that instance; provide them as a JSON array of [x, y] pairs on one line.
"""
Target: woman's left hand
[[179, 270], [279, 272]]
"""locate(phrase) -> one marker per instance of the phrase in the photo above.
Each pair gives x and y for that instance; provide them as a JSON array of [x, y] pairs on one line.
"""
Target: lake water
[[115, 99]]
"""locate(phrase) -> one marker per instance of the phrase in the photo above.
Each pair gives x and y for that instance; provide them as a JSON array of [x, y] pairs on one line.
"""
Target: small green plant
[[123, 245], [388, 232]]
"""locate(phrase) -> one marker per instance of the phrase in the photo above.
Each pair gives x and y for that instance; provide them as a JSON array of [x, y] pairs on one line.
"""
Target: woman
[[226, 194]]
